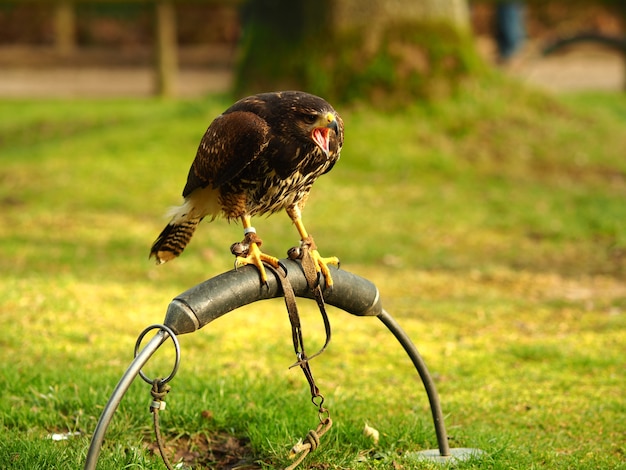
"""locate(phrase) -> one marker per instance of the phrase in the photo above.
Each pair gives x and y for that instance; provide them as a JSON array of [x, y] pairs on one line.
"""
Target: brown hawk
[[260, 156]]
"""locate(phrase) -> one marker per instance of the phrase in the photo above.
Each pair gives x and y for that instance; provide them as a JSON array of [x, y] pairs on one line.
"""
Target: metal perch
[[215, 297]]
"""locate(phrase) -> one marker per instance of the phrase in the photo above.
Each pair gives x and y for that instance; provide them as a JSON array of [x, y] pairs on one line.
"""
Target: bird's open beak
[[320, 134]]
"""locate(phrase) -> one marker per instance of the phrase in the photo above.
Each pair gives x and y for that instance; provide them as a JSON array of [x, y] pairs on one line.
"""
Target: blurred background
[[481, 187], [186, 48]]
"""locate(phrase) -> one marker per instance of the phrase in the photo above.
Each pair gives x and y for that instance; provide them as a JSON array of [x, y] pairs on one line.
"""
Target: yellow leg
[[321, 264], [254, 254], [300, 227]]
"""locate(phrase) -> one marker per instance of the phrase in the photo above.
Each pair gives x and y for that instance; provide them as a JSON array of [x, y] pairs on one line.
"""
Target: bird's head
[[297, 116], [322, 124], [314, 119], [319, 127]]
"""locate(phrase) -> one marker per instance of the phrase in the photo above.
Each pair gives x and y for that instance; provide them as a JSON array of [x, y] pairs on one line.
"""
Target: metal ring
[[176, 346]]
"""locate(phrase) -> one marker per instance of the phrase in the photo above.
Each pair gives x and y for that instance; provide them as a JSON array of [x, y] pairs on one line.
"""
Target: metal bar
[[422, 370], [215, 297], [221, 294], [121, 388]]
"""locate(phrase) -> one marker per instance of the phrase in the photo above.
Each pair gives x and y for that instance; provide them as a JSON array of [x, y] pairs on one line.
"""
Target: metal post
[[118, 394], [427, 380]]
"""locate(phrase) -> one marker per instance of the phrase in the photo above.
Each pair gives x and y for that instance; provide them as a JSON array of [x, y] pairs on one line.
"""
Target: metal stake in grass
[[215, 297]]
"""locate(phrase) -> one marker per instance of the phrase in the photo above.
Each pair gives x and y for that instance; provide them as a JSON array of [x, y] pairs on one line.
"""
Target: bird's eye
[[310, 118]]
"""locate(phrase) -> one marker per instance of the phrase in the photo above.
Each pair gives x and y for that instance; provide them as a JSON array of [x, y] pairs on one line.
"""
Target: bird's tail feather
[[173, 239]]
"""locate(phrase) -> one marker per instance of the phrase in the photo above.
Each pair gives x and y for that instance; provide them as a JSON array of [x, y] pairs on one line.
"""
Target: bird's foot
[[320, 263], [248, 252]]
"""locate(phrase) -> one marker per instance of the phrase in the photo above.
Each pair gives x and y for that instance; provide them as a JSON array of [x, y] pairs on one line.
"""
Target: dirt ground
[[36, 74]]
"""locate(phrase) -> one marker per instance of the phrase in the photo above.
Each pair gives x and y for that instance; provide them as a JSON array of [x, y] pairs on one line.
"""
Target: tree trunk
[[64, 27], [386, 51], [166, 49]]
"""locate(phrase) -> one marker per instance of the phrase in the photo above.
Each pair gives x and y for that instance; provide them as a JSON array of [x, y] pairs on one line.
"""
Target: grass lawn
[[493, 224]]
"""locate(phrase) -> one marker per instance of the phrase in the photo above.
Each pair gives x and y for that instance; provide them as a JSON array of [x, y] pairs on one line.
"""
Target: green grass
[[493, 224]]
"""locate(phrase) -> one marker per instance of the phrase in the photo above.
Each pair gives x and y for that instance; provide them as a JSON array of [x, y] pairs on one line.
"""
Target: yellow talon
[[311, 259], [248, 251], [256, 258], [321, 264]]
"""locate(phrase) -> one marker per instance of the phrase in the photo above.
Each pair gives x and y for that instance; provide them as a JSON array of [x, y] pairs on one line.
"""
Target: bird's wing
[[231, 143]]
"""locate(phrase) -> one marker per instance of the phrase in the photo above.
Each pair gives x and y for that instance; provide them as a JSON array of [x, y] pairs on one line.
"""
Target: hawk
[[260, 156]]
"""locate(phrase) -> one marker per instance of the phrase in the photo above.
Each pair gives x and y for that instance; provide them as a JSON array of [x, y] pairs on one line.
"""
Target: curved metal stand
[[118, 394], [217, 296]]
